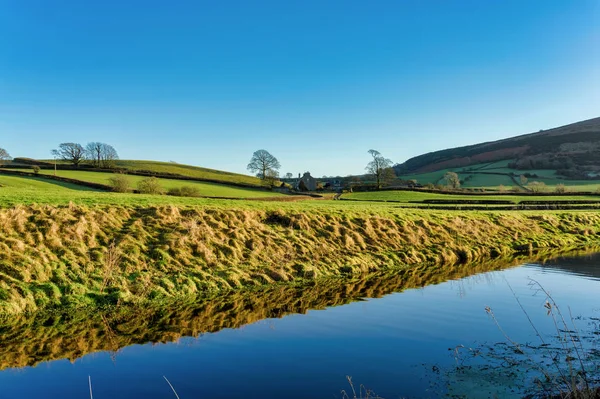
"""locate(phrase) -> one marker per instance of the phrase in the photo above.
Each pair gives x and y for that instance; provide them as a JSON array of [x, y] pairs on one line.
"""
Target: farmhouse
[[306, 183]]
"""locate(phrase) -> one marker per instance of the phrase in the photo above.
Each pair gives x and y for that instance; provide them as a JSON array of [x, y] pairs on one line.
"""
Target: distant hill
[[572, 151], [160, 169]]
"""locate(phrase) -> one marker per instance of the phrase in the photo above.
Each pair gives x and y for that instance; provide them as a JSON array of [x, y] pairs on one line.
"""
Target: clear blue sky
[[315, 82]]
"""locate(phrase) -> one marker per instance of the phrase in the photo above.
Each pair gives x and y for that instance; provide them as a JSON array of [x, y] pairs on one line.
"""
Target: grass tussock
[[80, 256]]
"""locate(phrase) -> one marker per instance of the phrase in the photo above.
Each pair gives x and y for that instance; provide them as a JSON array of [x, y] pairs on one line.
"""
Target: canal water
[[426, 339]]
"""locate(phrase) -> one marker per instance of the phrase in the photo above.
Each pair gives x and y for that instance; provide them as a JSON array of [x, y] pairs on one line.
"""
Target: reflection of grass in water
[[565, 364], [28, 340]]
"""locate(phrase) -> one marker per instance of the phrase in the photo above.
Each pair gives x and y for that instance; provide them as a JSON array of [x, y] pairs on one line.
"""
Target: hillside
[[572, 151], [161, 169]]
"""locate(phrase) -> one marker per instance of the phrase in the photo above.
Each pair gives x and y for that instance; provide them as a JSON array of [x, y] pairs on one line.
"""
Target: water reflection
[[381, 342], [26, 341], [585, 265]]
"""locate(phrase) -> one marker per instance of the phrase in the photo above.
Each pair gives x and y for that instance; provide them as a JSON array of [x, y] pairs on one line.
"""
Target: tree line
[[266, 167], [99, 155], [4, 155]]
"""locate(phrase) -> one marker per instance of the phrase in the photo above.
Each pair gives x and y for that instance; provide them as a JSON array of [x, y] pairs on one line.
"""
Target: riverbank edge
[[85, 257]]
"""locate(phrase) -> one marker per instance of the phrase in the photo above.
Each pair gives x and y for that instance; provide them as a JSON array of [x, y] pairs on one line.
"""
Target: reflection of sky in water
[[381, 343]]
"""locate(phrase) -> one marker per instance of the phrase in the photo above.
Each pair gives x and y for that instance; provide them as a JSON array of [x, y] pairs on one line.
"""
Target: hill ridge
[[572, 148]]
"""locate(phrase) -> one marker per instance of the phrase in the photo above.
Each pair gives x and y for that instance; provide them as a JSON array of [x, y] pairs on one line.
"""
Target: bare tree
[[289, 175], [4, 156], [271, 177], [71, 152], [93, 152], [452, 179], [380, 168], [262, 163], [109, 156], [101, 155]]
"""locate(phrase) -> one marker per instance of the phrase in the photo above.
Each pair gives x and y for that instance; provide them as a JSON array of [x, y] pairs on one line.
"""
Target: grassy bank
[[80, 255]]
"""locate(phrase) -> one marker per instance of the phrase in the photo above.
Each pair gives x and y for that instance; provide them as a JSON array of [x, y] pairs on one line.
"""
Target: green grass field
[[34, 190], [409, 196], [16, 190], [206, 189], [493, 182], [184, 170]]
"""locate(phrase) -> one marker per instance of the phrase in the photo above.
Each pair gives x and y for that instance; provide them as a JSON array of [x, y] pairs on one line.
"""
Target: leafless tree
[[71, 152], [452, 179], [101, 155], [272, 177], [262, 163], [380, 168], [109, 156], [4, 156], [289, 175]]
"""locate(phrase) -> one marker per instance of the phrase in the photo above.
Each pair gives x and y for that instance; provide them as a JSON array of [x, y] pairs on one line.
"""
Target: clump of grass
[[363, 392], [112, 260]]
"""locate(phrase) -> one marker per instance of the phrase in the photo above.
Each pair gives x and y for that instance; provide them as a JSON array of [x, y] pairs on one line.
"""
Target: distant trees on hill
[[452, 180], [100, 155], [264, 165], [537, 186], [381, 168], [70, 152], [4, 155]]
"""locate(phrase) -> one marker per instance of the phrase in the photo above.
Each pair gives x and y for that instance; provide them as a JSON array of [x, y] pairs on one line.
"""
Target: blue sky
[[315, 82]]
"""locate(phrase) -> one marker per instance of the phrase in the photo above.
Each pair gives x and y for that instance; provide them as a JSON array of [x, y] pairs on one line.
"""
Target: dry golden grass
[[80, 256]]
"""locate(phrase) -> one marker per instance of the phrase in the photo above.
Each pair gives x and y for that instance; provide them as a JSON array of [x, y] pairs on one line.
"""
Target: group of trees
[[100, 155], [4, 155], [266, 167]]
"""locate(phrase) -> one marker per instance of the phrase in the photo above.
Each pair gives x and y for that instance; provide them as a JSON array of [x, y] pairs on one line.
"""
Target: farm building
[[306, 183]]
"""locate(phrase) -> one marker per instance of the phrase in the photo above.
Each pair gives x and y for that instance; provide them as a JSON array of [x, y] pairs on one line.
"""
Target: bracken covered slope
[[573, 150]]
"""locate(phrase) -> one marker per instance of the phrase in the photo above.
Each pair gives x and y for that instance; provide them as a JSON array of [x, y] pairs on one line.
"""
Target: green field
[[36, 190], [410, 196], [29, 190], [205, 189], [37, 185], [183, 170], [472, 179]]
